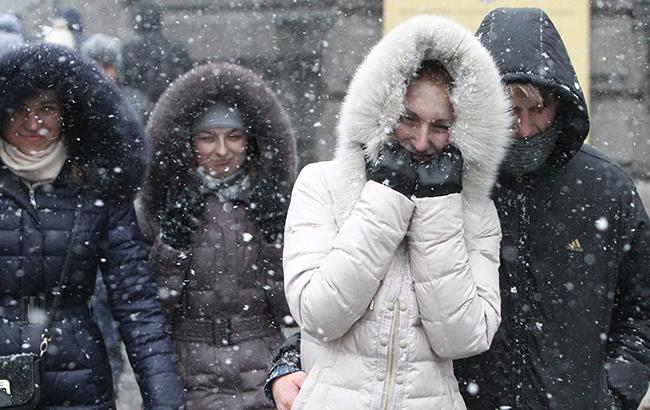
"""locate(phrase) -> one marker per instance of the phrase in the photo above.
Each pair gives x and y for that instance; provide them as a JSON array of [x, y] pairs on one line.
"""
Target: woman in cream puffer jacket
[[388, 290]]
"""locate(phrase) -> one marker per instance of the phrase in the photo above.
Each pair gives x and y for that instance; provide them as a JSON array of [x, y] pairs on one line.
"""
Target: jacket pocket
[[307, 389]]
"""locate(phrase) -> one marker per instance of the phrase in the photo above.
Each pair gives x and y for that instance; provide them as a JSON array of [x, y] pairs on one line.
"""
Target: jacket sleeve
[[454, 260], [628, 348], [169, 266], [136, 308], [332, 273], [286, 361], [270, 263]]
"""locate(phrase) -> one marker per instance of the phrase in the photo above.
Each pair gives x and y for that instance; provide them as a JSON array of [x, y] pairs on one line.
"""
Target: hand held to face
[[442, 175], [394, 168], [286, 388]]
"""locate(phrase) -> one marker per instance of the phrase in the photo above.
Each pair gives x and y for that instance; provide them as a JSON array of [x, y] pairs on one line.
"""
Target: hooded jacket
[[106, 160], [106, 50], [388, 290], [151, 61], [575, 261], [232, 271]]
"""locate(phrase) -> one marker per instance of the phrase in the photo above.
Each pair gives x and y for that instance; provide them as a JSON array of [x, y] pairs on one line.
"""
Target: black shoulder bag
[[20, 374]]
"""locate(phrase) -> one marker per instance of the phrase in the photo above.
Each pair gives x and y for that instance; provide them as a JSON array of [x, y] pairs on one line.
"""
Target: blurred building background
[[308, 50]]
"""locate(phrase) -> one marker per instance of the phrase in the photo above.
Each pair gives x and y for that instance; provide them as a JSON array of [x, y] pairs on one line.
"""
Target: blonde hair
[[541, 96]]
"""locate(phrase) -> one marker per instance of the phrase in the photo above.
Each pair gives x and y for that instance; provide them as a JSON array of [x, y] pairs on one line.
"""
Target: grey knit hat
[[219, 115]]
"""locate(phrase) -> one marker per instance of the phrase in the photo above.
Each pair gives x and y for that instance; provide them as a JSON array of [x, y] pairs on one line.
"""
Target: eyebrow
[[48, 96], [442, 121], [227, 132]]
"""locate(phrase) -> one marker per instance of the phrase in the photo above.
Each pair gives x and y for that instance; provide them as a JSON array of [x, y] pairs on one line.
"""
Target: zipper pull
[[32, 198], [372, 304]]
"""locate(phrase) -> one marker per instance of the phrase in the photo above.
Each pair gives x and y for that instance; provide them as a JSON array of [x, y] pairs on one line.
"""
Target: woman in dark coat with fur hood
[[223, 164], [71, 150]]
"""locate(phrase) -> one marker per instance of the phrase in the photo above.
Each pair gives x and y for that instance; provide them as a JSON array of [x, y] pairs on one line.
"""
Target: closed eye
[[405, 119]]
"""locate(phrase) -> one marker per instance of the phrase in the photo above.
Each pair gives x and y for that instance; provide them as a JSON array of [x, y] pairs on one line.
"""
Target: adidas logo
[[574, 246]]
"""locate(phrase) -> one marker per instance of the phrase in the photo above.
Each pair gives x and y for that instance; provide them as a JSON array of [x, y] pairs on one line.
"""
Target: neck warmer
[[226, 189], [529, 155], [41, 168]]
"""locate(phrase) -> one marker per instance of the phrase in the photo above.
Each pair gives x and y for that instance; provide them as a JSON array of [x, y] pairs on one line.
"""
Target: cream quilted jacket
[[389, 290]]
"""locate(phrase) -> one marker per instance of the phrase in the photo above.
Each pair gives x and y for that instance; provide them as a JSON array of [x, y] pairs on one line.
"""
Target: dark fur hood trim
[[170, 131], [105, 139]]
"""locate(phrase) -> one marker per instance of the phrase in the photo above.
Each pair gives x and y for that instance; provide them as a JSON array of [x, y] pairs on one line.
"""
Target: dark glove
[[443, 175], [178, 218], [394, 168]]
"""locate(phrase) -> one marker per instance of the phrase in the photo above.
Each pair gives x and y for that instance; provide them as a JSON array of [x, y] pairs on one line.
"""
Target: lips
[[221, 162]]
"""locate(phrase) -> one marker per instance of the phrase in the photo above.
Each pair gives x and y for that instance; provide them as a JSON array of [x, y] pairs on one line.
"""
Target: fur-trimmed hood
[[173, 165], [104, 137], [374, 101]]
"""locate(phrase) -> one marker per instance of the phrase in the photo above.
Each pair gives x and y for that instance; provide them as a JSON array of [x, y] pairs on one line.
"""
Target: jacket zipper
[[523, 216], [32, 197], [388, 391]]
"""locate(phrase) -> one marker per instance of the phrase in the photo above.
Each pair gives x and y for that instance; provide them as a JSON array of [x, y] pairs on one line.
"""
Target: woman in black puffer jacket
[[69, 140]]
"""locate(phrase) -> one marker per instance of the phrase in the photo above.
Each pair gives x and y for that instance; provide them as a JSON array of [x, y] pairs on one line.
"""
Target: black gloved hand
[[443, 175], [394, 168], [178, 218]]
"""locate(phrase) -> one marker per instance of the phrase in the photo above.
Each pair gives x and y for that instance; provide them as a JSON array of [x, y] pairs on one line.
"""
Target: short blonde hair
[[541, 96]]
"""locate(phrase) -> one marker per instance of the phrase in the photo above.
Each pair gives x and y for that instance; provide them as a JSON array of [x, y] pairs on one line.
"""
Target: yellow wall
[[570, 17]]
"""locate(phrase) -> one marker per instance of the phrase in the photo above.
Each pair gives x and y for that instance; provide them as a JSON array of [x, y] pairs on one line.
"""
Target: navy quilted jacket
[[106, 150]]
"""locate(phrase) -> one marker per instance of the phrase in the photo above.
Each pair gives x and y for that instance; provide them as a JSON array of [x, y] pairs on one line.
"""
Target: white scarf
[[40, 168]]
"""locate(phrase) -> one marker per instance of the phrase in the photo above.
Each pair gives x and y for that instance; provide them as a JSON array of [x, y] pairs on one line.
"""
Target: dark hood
[[105, 139], [72, 18], [146, 17], [527, 47]]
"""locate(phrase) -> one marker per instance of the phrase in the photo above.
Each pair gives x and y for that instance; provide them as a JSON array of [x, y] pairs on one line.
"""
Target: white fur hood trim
[[374, 101]]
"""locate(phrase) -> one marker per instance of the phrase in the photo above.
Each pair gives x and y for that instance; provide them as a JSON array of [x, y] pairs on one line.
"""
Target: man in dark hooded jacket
[[575, 260], [151, 61]]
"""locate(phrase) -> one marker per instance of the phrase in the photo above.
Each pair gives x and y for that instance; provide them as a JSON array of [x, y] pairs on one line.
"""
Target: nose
[[524, 127], [32, 122], [420, 139], [220, 147]]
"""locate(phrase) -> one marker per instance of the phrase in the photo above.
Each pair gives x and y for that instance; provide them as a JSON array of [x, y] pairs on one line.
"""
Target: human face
[[532, 117], [110, 71], [428, 115], [221, 151], [35, 125]]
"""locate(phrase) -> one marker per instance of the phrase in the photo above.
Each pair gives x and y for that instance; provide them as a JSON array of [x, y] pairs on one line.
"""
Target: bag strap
[[57, 291]]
